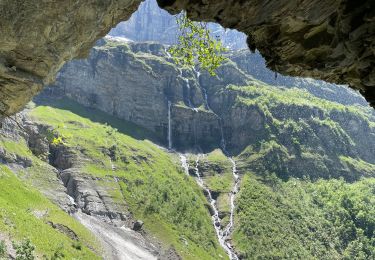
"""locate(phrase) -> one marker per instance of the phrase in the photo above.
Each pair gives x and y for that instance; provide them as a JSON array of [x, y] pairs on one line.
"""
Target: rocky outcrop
[[147, 79], [328, 40], [38, 37], [202, 109], [150, 23], [93, 198], [94, 201]]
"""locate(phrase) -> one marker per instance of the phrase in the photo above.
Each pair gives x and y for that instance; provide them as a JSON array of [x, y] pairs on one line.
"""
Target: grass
[[359, 165], [156, 190], [19, 205], [217, 170]]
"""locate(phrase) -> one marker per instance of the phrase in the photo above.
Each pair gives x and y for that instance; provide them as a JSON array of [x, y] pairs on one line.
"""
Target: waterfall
[[222, 141], [234, 191], [167, 52], [228, 229], [222, 235], [188, 87], [184, 163], [169, 125], [205, 98], [204, 92]]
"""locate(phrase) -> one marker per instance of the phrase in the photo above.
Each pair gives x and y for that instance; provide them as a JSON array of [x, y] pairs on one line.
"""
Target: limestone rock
[[329, 40], [37, 37], [138, 225]]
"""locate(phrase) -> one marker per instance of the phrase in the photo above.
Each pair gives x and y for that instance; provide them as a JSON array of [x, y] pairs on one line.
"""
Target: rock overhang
[[331, 40]]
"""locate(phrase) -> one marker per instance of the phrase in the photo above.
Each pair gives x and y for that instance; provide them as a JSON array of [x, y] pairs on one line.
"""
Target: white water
[[222, 235], [204, 92], [169, 125], [205, 99], [188, 87], [184, 163], [228, 229], [167, 52]]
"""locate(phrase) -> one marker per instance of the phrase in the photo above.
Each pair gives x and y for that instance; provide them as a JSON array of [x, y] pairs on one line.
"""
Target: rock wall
[[284, 130], [150, 23], [328, 40], [135, 81], [39, 36]]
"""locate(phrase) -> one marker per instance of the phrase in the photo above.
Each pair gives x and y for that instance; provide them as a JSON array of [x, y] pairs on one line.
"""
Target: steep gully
[[118, 241], [223, 234]]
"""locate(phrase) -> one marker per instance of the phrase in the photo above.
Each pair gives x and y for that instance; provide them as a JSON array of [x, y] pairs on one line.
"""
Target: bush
[[24, 250], [58, 254], [77, 245], [3, 249]]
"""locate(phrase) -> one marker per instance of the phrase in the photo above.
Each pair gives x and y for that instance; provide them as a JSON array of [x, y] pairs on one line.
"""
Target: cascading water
[[188, 87], [169, 125], [206, 99], [228, 229], [168, 54], [221, 234], [205, 96], [184, 163]]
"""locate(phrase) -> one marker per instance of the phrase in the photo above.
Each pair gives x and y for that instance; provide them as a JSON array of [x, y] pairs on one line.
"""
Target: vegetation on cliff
[[26, 213], [326, 219], [152, 184]]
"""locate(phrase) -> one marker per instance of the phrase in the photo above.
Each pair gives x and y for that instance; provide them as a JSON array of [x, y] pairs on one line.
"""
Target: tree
[[196, 46]]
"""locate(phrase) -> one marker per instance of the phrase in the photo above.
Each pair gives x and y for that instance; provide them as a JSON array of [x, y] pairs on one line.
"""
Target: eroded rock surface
[[330, 40], [37, 37]]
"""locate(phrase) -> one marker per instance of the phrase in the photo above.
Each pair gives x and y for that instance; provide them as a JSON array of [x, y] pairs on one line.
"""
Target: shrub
[[3, 249], [24, 250]]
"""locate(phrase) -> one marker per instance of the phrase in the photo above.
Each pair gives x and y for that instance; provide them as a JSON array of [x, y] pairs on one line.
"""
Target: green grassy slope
[[151, 182], [308, 185], [25, 213]]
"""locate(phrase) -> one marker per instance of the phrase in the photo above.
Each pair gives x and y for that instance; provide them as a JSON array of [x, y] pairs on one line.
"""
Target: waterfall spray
[[184, 163]]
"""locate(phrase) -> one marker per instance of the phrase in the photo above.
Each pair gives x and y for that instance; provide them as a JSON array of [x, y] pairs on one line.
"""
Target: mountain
[[129, 156], [150, 23], [286, 169]]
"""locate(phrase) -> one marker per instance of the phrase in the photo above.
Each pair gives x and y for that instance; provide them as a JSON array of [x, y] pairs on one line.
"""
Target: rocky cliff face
[[147, 80], [56, 170], [38, 37], [150, 23], [164, 30], [327, 40], [291, 124]]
